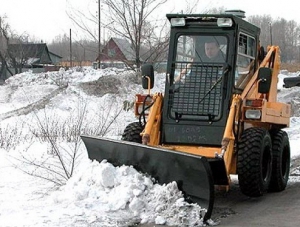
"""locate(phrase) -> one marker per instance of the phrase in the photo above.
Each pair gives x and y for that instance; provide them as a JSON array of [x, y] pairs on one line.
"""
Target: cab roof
[[211, 19]]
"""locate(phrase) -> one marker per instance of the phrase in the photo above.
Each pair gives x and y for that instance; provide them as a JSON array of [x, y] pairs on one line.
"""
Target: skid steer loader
[[218, 119]]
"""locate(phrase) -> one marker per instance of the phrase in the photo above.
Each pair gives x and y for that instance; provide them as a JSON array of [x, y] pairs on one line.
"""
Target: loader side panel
[[192, 173], [195, 134]]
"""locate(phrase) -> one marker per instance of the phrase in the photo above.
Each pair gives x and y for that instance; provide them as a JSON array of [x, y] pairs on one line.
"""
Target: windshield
[[202, 48], [198, 71]]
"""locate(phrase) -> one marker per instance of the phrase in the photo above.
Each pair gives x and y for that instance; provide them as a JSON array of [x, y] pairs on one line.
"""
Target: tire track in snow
[[6, 92], [40, 104]]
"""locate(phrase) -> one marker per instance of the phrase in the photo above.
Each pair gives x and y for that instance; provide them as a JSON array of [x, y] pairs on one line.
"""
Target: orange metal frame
[[273, 113]]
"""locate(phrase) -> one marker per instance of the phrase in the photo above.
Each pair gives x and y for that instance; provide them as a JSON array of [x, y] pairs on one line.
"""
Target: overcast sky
[[45, 19]]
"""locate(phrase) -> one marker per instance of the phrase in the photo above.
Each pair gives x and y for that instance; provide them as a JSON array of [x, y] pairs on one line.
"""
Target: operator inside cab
[[213, 51], [195, 50]]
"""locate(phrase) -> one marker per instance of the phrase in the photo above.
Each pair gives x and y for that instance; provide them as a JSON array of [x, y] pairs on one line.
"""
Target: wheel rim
[[266, 163], [285, 162]]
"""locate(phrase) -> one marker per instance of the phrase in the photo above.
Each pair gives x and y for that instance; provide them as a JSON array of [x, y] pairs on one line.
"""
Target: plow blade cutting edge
[[192, 173]]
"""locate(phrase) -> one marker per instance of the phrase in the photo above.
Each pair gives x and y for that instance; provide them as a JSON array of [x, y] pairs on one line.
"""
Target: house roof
[[31, 51], [125, 47], [51, 53]]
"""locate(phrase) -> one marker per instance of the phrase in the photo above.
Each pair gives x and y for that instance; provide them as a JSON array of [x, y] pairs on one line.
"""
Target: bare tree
[[279, 32], [215, 10], [18, 55], [264, 22], [4, 40], [130, 18], [291, 37], [62, 136], [137, 21], [83, 20], [83, 50], [10, 57], [155, 43]]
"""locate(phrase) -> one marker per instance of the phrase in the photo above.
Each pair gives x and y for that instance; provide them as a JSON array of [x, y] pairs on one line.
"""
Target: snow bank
[[104, 192]]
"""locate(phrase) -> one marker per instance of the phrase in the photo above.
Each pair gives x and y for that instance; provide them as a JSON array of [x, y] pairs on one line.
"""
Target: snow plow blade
[[192, 173]]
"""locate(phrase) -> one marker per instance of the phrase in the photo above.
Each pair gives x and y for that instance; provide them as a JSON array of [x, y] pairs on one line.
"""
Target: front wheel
[[254, 161], [132, 132]]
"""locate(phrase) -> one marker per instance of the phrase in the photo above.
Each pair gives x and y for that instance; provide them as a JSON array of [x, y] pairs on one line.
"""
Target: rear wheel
[[281, 161], [254, 161], [132, 132]]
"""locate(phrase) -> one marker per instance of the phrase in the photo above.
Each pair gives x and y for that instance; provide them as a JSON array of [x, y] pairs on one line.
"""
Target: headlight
[[224, 22], [253, 114], [175, 22]]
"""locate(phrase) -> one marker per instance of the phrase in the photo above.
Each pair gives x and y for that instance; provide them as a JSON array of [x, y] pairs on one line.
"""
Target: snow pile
[[283, 74], [122, 195], [98, 193], [71, 75]]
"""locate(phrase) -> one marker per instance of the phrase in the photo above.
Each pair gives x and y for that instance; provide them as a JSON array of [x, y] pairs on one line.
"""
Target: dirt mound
[[109, 84]]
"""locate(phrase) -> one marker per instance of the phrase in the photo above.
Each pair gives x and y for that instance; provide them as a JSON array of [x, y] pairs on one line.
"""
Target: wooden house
[[117, 53], [30, 55]]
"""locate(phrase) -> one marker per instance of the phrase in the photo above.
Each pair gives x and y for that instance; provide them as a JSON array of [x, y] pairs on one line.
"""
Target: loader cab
[[199, 87]]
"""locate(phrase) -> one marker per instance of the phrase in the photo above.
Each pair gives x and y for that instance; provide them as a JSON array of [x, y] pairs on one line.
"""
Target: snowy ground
[[98, 194]]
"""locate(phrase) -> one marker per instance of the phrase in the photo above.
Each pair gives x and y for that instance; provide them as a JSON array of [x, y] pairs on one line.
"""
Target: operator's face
[[211, 50]]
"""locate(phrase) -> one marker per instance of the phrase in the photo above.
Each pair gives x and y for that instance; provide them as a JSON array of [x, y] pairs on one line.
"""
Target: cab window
[[245, 60]]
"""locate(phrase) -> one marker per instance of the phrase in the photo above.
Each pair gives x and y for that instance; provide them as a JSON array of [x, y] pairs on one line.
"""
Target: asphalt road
[[273, 209], [280, 209]]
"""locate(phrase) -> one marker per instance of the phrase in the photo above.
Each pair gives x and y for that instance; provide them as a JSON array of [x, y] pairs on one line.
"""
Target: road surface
[[273, 209]]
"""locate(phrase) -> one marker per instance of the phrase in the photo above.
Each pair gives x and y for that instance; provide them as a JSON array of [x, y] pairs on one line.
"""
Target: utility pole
[[99, 34], [71, 48], [271, 37]]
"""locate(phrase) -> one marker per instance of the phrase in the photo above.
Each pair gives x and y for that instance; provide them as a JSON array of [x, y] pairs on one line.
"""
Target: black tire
[[281, 161], [254, 161], [132, 132]]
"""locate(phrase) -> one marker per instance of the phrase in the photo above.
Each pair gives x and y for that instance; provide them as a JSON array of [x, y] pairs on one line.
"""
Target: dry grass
[[291, 67]]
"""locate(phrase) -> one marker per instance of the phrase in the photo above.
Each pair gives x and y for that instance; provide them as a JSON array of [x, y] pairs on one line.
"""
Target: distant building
[[34, 56], [117, 53], [67, 63], [30, 55], [56, 59]]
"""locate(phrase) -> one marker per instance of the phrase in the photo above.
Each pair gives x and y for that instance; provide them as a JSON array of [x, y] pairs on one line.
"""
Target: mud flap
[[192, 173]]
